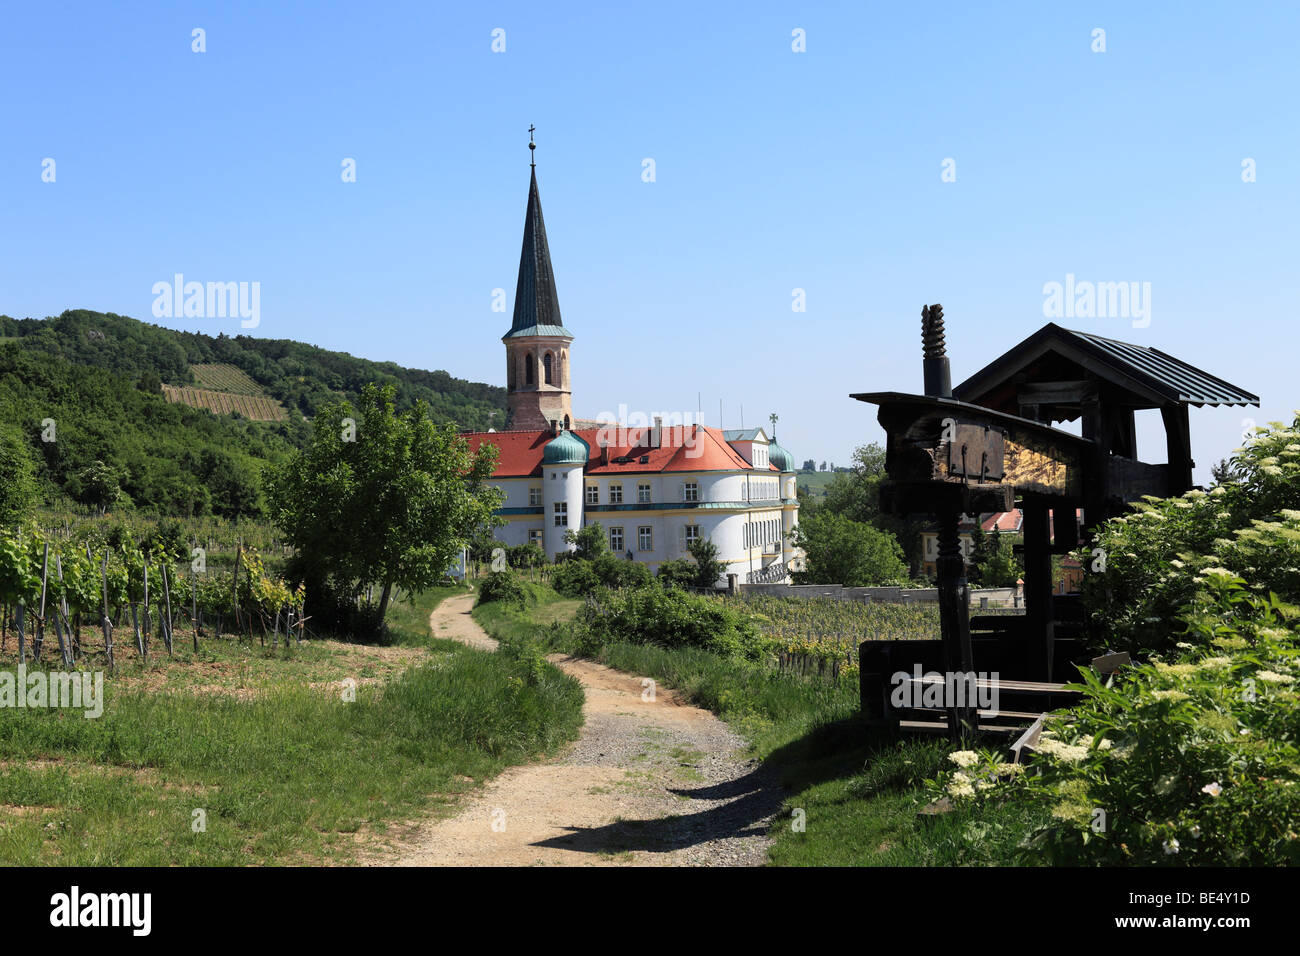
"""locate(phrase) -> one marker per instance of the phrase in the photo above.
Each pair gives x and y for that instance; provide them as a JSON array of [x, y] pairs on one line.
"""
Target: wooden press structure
[[989, 445]]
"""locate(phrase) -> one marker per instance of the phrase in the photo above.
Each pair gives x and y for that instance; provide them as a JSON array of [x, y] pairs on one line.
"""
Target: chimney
[[938, 375], [604, 450], [656, 433]]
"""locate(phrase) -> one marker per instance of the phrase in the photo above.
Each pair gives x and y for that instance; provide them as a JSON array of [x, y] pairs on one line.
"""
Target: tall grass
[[285, 775]]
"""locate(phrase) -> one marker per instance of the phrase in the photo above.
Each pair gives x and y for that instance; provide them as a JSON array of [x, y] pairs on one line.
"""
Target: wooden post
[[1038, 587], [139, 641], [65, 645], [234, 586], [954, 621], [194, 607], [40, 620], [22, 636], [148, 624], [63, 604], [1178, 444], [108, 625], [167, 597]]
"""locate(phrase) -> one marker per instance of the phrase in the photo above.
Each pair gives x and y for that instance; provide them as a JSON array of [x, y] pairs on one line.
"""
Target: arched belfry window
[[566, 423], [546, 364], [529, 375]]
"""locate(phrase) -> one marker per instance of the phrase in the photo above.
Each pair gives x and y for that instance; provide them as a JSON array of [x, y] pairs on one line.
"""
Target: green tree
[[993, 563], [707, 566], [838, 550], [17, 475], [381, 498], [589, 542], [97, 485]]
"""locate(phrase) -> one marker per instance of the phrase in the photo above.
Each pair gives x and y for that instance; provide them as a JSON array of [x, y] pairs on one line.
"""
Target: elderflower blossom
[[1174, 695], [1069, 753], [960, 786], [1214, 663], [1272, 677], [1213, 788], [964, 758]]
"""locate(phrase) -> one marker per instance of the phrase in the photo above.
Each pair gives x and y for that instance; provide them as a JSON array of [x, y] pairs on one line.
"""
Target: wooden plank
[[1028, 740]]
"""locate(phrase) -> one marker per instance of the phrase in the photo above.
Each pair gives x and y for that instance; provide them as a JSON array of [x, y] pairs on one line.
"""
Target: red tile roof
[[682, 449], [1010, 521]]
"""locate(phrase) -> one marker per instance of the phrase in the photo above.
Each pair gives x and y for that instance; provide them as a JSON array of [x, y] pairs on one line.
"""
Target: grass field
[[258, 408], [263, 749], [225, 378], [814, 481]]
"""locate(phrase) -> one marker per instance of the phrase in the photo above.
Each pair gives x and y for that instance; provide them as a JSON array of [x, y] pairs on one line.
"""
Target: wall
[[998, 597]]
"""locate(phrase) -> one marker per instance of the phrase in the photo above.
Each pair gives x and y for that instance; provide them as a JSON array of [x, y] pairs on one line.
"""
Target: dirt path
[[648, 782]]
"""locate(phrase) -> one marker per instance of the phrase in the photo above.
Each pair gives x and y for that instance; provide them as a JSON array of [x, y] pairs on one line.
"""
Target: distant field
[[258, 408], [225, 378], [815, 481]]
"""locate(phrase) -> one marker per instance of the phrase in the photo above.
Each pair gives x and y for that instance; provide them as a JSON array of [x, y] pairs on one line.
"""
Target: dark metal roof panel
[[1183, 382]]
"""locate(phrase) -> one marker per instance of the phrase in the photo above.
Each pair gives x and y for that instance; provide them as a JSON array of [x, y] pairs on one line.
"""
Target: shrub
[[838, 550], [677, 573], [614, 572], [589, 542], [1156, 557], [574, 578], [525, 556], [708, 569], [1191, 762], [667, 617], [502, 587]]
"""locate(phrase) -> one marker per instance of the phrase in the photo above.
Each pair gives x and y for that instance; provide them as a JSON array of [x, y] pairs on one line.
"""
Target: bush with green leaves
[[615, 572], [1190, 761], [1145, 567], [503, 587], [838, 550], [574, 578], [528, 555], [667, 617], [676, 573]]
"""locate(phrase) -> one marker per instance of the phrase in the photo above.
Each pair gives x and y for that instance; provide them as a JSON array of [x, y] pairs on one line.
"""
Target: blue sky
[[775, 170]]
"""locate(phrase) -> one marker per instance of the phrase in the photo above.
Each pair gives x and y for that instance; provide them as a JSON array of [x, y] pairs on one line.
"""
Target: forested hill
[[302, 377], [82, 414]]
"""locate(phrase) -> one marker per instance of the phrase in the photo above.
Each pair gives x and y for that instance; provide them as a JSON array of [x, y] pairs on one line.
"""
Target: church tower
[[537, 345]]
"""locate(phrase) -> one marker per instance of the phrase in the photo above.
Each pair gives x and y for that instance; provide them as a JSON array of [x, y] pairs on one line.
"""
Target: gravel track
[[649, 782]]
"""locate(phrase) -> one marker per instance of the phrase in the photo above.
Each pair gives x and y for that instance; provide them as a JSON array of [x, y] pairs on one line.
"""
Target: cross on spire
[[532, 146]]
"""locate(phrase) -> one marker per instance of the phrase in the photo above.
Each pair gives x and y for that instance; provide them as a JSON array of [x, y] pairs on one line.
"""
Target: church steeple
[[537, 304], [537, 345]]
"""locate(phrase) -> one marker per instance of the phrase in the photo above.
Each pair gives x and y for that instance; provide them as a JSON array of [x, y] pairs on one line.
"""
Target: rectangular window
[[616, 540], [643, 492], [645, 538], [561, 514], [593, 495], [534, 537], [691, 491], [615, 494], [534, 496], [692, 534]]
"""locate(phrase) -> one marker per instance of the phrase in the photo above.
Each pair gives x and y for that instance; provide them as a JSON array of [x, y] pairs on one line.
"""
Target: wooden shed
[[988, 445]]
